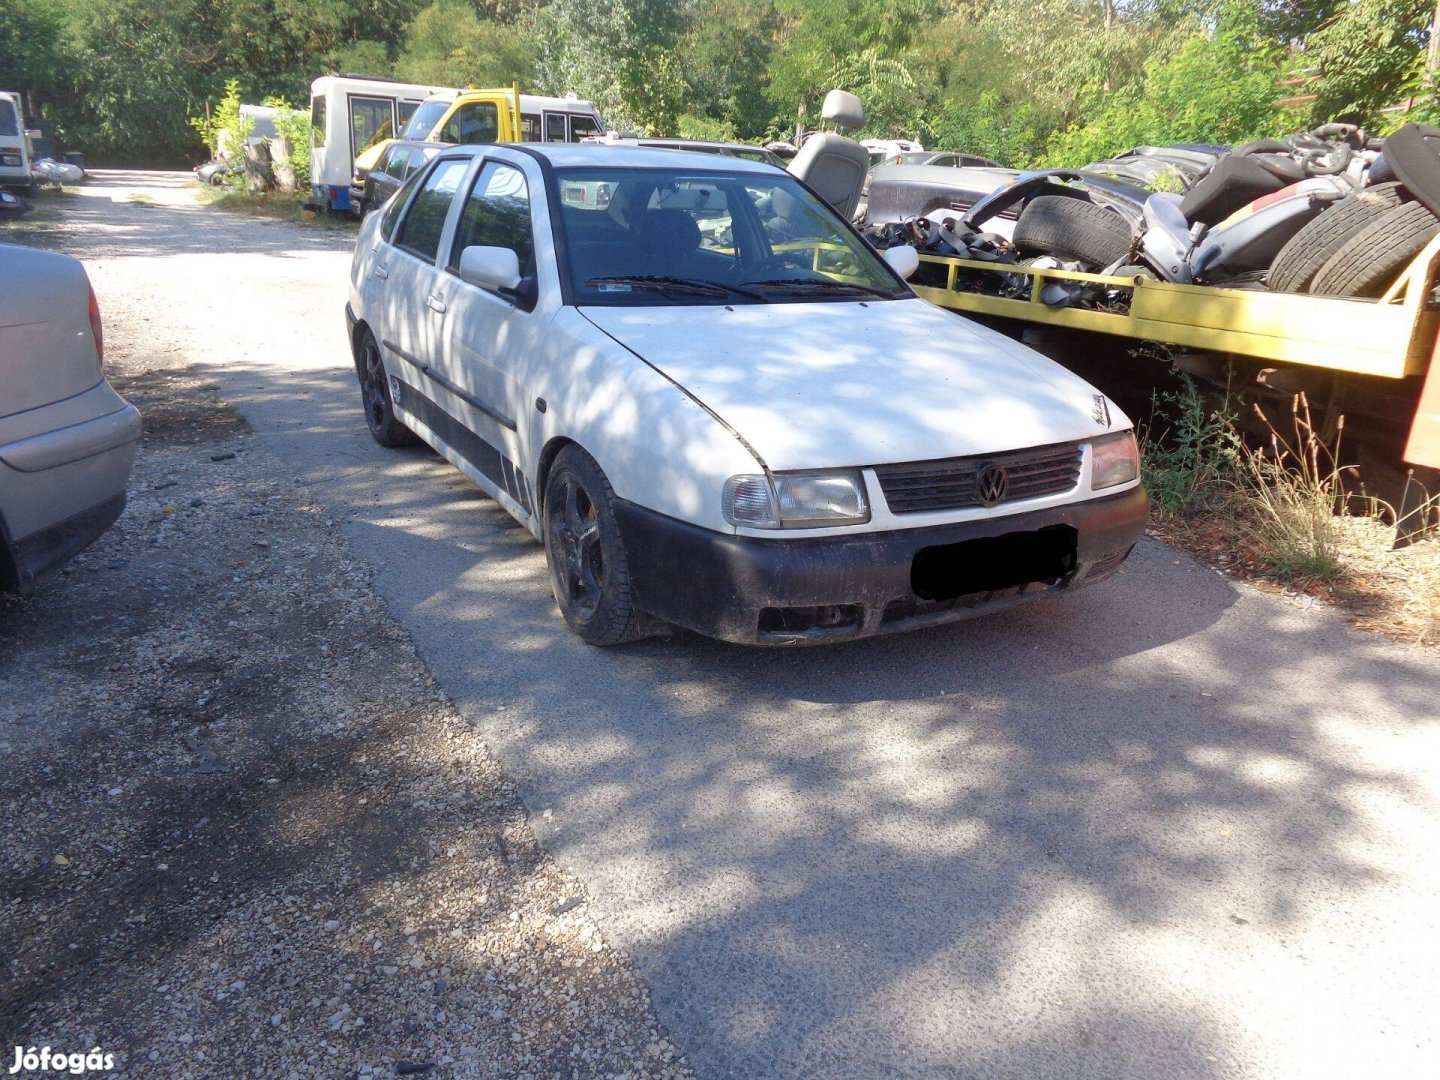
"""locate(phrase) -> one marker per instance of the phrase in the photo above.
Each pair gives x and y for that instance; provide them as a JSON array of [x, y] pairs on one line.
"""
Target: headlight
[[1114, 460], [796, 500]]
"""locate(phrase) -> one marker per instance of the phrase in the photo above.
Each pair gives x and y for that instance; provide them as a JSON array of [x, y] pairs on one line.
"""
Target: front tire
[[589, 571], [375, 396]]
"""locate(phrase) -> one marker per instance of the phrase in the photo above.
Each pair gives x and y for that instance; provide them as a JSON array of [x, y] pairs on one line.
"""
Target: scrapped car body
[[67, 439], [898, 192], [716, 406]]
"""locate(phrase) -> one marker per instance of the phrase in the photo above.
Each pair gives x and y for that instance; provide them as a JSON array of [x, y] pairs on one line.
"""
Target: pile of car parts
[[1329, 212]]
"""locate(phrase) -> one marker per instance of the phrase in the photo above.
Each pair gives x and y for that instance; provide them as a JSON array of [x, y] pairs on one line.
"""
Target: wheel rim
[[579, 555], [373, 391]]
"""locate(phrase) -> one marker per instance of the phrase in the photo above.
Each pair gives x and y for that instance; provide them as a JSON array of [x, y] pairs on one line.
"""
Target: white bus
[[349, 113]]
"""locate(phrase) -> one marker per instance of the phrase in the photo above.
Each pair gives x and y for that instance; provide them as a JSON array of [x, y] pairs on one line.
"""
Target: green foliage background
[[1023, 81]]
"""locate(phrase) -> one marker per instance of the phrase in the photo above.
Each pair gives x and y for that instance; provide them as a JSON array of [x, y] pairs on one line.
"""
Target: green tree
[[449, 45], [1219, 86], [1366, 57], [620, 54], [132, 89]]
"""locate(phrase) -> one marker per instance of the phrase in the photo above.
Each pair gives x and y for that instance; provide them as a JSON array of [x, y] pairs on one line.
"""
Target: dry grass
[[1288, 518], [276, 205]]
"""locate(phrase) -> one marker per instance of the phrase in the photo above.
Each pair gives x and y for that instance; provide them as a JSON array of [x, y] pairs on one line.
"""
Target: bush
[[1191, 465]]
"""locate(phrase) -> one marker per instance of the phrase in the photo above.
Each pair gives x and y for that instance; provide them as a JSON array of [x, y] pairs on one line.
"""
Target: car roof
[[569, 155]]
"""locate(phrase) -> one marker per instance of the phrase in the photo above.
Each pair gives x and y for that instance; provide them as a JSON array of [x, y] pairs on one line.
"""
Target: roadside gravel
[[245, 832]]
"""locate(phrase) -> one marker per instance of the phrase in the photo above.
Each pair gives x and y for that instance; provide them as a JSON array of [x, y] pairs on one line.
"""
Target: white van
[[14, 146], [348, 114]]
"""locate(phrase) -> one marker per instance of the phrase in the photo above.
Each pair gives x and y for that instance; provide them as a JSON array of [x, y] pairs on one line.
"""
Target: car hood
[[829, 385]]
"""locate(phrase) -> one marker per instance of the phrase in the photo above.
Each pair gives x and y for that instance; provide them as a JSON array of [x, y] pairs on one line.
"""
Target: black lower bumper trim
[[786, 591], [49, 549]]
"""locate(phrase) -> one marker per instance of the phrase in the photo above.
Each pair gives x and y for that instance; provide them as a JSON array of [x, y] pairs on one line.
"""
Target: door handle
[[381, 272], [434, 303]]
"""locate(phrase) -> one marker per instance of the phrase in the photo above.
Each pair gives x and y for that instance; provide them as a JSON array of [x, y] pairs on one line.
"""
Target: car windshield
[[672, 236], [425, 118], [9, 119]]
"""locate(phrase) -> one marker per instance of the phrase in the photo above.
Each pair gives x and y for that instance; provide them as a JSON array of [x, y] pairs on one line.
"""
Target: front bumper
[[780, 591]]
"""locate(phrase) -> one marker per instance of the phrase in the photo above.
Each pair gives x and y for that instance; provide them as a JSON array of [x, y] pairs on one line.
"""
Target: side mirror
[[904, 260], [493, 268]]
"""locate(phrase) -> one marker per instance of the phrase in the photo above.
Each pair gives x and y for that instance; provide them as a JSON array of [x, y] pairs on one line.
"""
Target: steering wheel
[[788, 260]]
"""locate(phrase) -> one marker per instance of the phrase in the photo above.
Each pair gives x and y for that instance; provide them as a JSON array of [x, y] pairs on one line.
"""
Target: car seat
[[669, 239], [835, 166]]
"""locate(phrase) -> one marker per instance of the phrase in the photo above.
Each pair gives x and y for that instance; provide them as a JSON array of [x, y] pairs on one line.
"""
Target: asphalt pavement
[[1170, 826]]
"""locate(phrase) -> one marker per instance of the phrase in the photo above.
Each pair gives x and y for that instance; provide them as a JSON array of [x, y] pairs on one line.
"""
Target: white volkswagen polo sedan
[[718, 407]]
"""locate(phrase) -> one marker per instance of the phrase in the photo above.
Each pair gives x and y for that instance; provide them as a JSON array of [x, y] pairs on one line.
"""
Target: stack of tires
[[1360, 245]]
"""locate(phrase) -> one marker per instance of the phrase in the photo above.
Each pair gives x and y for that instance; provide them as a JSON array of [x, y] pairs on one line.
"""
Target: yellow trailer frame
[[1391, 338]]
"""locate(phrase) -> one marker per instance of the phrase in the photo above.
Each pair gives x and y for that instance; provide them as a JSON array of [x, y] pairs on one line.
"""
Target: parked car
[[67, 439], [14, 145], [885, 149], [944, 157], [718, 407], [399, 161], [214, 171], [702, 146]]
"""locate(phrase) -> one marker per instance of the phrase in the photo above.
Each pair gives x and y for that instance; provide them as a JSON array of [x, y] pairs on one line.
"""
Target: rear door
[[404, 277]]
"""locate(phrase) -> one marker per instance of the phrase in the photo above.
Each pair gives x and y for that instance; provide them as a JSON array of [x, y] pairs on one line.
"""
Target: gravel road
[[246, 834], [1168, 827]]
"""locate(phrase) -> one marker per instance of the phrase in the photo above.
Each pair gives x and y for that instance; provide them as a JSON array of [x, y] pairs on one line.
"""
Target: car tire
[[1063, 225], [375, 397], [1369, 261], [1297, 263], [589, 571]]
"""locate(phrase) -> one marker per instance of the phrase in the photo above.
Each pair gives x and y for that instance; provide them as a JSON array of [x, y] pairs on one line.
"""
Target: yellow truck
[[1383, 350], [488, 116]]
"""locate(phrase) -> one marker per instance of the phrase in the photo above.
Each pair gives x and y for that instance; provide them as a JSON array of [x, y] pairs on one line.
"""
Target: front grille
[[950, 483]]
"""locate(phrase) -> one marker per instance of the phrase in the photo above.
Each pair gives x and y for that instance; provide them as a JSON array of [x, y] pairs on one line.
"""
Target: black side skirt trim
[[440, 380], [486, 459]]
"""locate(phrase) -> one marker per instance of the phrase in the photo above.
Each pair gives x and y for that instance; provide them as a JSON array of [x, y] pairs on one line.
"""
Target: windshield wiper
[[698, 286], [821, 285]]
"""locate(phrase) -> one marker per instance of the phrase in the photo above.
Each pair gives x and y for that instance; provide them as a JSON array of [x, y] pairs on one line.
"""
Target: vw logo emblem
[[990, 483]]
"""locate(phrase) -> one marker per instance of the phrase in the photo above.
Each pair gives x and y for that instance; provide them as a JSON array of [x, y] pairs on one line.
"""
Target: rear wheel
[[1371, 259], [1301, 258], [1063, 225], [589, 570], [375, 396]]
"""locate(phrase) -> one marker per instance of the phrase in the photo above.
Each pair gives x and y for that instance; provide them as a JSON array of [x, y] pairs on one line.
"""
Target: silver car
[[67, 439]]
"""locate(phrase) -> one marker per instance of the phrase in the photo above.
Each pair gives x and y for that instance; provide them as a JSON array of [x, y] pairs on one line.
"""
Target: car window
[[650, 236], [425, 118], [317, 120], [529, 127], [497, 214], [9, 119], [421, 228], [371, 120], [392, 162], [582, 126], [397, 205], [555, 127], [474, 123]]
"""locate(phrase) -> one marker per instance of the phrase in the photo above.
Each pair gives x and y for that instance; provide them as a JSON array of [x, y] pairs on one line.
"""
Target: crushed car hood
[[829, 385]]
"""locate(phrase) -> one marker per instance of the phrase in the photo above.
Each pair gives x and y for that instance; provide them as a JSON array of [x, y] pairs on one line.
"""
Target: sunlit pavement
[[1168, 827]]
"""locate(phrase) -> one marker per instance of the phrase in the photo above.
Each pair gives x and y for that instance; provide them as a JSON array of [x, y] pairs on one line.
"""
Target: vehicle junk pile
[[1328, 212]]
